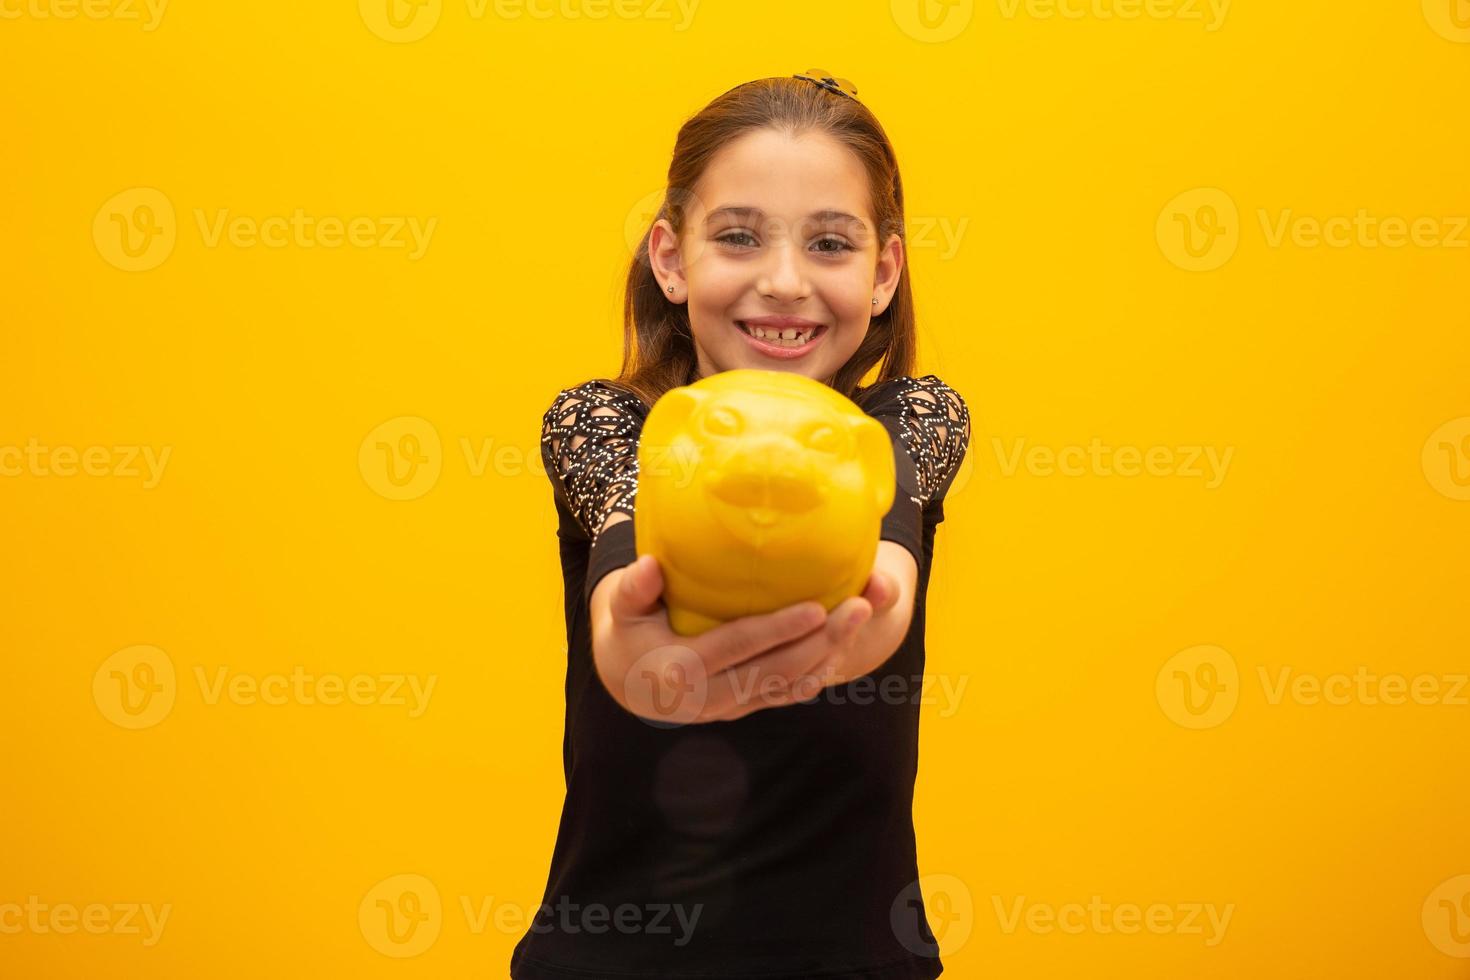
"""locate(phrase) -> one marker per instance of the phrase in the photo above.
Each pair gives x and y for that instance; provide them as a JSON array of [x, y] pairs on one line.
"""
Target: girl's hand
[[731, 670]]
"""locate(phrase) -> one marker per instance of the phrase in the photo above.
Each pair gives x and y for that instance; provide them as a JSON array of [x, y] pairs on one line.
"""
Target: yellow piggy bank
[[756, 490]]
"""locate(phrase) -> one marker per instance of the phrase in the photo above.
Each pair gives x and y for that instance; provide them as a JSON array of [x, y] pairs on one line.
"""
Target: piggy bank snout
[[790, 494], [769, 474]]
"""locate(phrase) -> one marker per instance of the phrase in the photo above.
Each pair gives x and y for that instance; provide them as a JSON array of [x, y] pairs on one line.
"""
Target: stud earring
[[875, 302], [671, 289]]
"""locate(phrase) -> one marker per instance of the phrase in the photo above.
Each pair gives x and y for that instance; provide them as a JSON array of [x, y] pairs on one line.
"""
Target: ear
[[875, 452], [670, 413]]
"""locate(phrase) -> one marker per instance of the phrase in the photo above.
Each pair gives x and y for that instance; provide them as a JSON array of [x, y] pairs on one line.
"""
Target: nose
[[782, 278]]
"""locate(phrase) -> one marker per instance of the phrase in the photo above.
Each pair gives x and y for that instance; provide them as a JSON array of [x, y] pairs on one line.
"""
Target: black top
[[777, 845]]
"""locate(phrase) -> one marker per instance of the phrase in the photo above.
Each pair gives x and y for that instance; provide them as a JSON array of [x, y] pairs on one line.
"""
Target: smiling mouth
[[792, 337]]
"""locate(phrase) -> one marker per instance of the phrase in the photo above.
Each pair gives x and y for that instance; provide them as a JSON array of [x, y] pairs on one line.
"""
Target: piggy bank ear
[[875, 452], [670, 414]]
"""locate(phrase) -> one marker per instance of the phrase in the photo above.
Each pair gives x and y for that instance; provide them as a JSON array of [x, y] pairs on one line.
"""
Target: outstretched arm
[[930, 426]]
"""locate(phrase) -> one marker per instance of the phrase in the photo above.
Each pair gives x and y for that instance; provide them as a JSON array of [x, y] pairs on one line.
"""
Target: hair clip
[[839, 85]]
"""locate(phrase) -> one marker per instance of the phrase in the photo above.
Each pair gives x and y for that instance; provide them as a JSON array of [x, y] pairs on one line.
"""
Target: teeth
[[790, 337]]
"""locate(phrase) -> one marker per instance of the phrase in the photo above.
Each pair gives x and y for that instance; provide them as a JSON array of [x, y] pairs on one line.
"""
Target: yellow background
[[1050, 148]]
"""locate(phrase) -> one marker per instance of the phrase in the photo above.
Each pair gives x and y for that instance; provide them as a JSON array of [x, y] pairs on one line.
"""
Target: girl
[[765, 835]]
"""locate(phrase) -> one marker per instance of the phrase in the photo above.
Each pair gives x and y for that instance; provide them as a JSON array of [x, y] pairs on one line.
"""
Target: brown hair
[[658, 343]]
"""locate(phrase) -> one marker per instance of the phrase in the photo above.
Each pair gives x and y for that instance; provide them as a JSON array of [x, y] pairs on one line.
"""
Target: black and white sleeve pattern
[[589, 446], [932, 423], [929, 423]]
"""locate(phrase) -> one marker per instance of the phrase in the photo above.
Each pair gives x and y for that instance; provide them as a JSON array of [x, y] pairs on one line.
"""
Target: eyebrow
[[744, 211]]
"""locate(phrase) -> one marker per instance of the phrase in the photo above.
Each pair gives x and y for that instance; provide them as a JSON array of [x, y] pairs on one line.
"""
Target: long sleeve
[[589, 448], [930, 426]]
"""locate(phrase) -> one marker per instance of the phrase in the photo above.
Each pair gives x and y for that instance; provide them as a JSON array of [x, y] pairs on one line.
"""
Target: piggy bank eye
[[824, 439], [722, 422]]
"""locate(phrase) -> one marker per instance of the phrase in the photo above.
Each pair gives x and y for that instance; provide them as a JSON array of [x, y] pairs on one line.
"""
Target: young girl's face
[[778, 227]]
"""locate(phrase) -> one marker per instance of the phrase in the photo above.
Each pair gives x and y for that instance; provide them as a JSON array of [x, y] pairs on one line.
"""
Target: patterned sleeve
[[930, 427], [589, 447], [931, 422]]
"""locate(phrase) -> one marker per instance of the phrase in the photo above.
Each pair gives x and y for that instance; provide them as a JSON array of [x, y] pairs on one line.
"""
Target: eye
[[722, 423], [841, 246], [729, 239], [824, 439], [743, 239]]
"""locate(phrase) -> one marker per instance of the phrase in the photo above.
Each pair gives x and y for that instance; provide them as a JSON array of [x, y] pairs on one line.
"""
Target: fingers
[[881, 592], [789, 673], [734, 642], [773, 679], [848, 618], [639, 589]]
